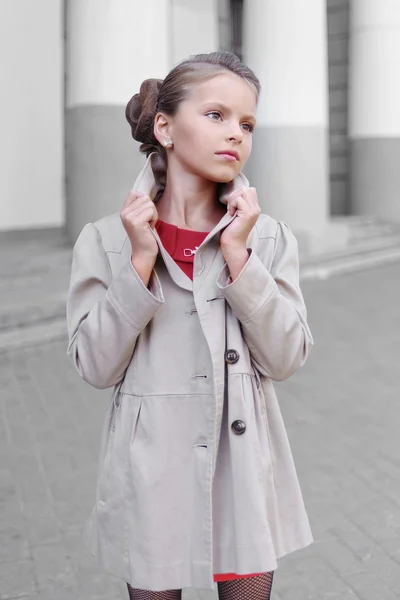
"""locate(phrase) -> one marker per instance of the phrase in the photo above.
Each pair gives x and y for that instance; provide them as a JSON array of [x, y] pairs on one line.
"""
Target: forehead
[[227, 88]]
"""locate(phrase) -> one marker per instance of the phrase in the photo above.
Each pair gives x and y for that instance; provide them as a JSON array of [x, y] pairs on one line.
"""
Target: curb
[[34, 335], [349, 264]]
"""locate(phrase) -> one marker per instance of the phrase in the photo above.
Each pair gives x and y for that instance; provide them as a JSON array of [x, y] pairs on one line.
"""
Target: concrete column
[[285, 43], [32, 114], [194, 28], [111, 48], [374, 115]]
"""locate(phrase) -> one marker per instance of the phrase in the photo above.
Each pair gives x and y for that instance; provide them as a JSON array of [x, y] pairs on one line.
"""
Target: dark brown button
[[231, 356], [238, 427]]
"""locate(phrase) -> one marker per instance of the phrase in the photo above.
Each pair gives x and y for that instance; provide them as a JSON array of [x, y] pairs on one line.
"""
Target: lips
[[232, 153]]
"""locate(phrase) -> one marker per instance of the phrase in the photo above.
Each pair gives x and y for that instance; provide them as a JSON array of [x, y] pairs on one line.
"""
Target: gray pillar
[[108, 54], [285, 42], [374, 115]]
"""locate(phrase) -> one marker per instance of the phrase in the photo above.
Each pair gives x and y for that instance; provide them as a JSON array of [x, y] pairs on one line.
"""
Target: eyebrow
[[226, 108]]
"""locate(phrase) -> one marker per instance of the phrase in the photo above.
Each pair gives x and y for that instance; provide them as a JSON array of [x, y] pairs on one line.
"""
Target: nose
[[236, 133]]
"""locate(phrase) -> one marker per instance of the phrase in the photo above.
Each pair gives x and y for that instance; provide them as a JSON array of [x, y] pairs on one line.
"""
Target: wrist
[[236, 259], [143, 266], [143, 259], [234, 251]]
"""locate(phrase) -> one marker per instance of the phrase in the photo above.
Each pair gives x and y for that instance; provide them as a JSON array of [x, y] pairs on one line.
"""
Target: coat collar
[[146, 183]]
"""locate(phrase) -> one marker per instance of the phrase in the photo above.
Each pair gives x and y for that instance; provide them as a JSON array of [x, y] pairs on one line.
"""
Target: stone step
[[362, 227], [33, 334], [350, 263], [361, 246], [371, 242]]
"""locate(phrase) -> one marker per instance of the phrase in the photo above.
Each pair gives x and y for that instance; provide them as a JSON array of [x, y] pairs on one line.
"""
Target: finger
[[235, 193], [244, 191], [251, 195], [134, 201], [239, 203], [251, 198], [245, 205], [140, 215], [236, 203], [132, 197], [138, 202], [248, 194]]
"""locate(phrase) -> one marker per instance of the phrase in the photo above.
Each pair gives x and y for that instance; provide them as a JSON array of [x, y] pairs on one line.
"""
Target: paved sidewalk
[[342, 412]]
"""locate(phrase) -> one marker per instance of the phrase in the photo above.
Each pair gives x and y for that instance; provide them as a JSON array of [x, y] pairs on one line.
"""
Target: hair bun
[[141, 110]]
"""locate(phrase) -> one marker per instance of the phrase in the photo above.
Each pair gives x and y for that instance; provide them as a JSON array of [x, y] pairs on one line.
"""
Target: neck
[[189, 200]]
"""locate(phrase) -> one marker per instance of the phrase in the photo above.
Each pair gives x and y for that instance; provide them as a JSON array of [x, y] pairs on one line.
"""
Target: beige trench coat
[[196, 474]]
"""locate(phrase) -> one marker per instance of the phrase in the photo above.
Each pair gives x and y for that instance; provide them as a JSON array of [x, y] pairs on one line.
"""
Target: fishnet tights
[[251, 588], [136, 594]]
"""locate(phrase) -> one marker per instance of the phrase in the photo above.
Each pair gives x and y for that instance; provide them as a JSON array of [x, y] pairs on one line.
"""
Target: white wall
[[31, 109]]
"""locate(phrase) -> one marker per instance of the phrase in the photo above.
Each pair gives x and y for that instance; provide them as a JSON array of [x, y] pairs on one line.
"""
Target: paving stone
[[42, 530], [17, 579], [14, 545], [369, 586], [53, 568], [341, 412]]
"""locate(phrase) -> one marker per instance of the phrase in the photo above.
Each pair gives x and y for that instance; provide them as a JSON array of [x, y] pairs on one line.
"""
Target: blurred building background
[[327, 145], [326, 160]]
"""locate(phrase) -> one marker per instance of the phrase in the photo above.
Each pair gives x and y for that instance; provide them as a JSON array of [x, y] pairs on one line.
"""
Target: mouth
[[229, 155]]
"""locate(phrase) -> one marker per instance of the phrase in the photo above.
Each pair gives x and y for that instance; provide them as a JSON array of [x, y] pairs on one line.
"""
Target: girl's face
[[217, 117]]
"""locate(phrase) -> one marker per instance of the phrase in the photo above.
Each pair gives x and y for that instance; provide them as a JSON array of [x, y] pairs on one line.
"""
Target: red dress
[[175, 240]]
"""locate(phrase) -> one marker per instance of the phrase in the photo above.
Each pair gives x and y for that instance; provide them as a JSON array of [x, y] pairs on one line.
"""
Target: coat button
[[238, 427], [231, 356]]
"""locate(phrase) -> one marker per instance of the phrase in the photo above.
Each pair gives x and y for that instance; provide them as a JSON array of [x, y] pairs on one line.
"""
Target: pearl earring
[[168, 144]]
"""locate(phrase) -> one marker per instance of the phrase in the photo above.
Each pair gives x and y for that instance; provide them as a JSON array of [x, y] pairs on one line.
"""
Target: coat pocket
[[103, 482], [262, 430], [122, 427]]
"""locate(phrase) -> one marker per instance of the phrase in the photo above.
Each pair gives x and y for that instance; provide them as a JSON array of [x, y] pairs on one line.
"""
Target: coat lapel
[[146, 184]]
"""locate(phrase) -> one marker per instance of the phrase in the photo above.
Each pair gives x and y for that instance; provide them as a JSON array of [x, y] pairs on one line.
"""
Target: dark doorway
[[236, 9]]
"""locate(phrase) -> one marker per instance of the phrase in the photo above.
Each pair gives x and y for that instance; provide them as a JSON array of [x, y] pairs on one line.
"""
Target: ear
[[162, 128]]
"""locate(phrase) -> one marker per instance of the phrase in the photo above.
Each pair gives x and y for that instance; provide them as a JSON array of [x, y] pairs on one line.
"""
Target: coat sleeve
[[105, 315], [271, 308]]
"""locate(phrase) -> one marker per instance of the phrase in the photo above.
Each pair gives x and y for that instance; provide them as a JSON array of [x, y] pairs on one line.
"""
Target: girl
[[188, 304]]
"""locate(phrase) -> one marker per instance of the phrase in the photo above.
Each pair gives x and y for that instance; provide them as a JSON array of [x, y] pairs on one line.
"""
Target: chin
[[224, 174]]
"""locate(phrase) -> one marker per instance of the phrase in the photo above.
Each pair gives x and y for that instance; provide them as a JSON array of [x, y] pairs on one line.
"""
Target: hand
[[138, 215], [234, 236]]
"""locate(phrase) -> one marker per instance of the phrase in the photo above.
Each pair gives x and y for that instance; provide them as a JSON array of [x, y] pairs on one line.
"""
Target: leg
[[135, 594], [251, 588]]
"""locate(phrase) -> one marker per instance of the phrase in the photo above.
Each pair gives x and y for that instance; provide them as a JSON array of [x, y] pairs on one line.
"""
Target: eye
[[214, 112], [249, 126]]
